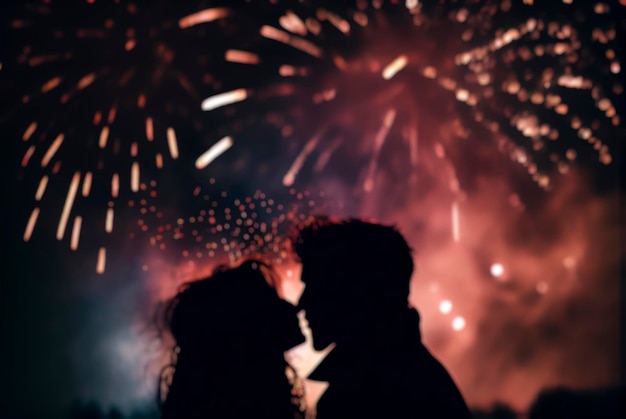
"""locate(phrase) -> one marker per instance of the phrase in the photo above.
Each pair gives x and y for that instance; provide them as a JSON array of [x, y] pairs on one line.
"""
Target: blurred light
[[214, 152], [104, 136], [203, 16], [172, 143], [394, 67], [29, 131], [569, 262], [411, 4], [458, 323], [41, 189], [456, 229], [67, 207], [542, 287], [445, 306], [223, 99], [242, 57], [54, 147], [30, 226], [101, 264], [76, 232], [497, 270]]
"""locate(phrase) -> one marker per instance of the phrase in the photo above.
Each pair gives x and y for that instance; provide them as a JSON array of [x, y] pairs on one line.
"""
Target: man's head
[[356, 273]]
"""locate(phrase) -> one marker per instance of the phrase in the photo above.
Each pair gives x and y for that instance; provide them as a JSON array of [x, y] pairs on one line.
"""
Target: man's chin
[[320, 334]]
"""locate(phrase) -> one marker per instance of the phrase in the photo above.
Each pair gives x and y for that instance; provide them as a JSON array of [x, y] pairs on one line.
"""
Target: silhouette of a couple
[[233, 329]]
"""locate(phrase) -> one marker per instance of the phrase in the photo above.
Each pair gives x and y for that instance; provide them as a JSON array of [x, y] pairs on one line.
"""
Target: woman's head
[[217, 304], [228, 326]]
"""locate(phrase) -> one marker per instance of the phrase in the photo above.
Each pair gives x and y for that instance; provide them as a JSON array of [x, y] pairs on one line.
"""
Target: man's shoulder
[[416, 369]]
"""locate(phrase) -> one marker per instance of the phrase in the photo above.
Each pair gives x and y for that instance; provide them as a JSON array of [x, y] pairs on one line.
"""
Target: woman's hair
[[206, 309]]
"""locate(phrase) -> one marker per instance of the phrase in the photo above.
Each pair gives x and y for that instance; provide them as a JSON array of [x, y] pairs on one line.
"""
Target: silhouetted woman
[[231, 332]]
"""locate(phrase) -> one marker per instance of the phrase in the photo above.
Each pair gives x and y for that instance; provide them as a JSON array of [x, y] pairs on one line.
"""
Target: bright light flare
[[54, 147], [149, 129], [115, 185], [497, 270], [224, 99], [30, 226], [104, 136], [30, 130], [134, 177], [242, 57], [78, 221], [108, 227], [214, 152], [303, 45], [445, 307], [41, 189], [172, 143], [458, 323], [394, 67], [292, 22], [203, 16], [102, 258], [67, 207], [87, 184]]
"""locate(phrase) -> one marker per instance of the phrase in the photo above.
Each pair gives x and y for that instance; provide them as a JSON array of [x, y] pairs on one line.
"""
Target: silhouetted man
[[357, 278]]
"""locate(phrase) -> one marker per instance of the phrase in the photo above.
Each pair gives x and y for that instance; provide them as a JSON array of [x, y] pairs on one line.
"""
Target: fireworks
[[255, 225], [98, 94], [371, 92], [372, 73]]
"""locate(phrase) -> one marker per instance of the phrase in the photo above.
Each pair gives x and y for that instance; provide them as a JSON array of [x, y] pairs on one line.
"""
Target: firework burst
[[100, 95], [296, 91], [403, 84]]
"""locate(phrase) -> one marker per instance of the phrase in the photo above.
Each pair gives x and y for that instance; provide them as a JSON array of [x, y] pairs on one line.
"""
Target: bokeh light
[[458, 323], [445, 306], [497, 270]]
